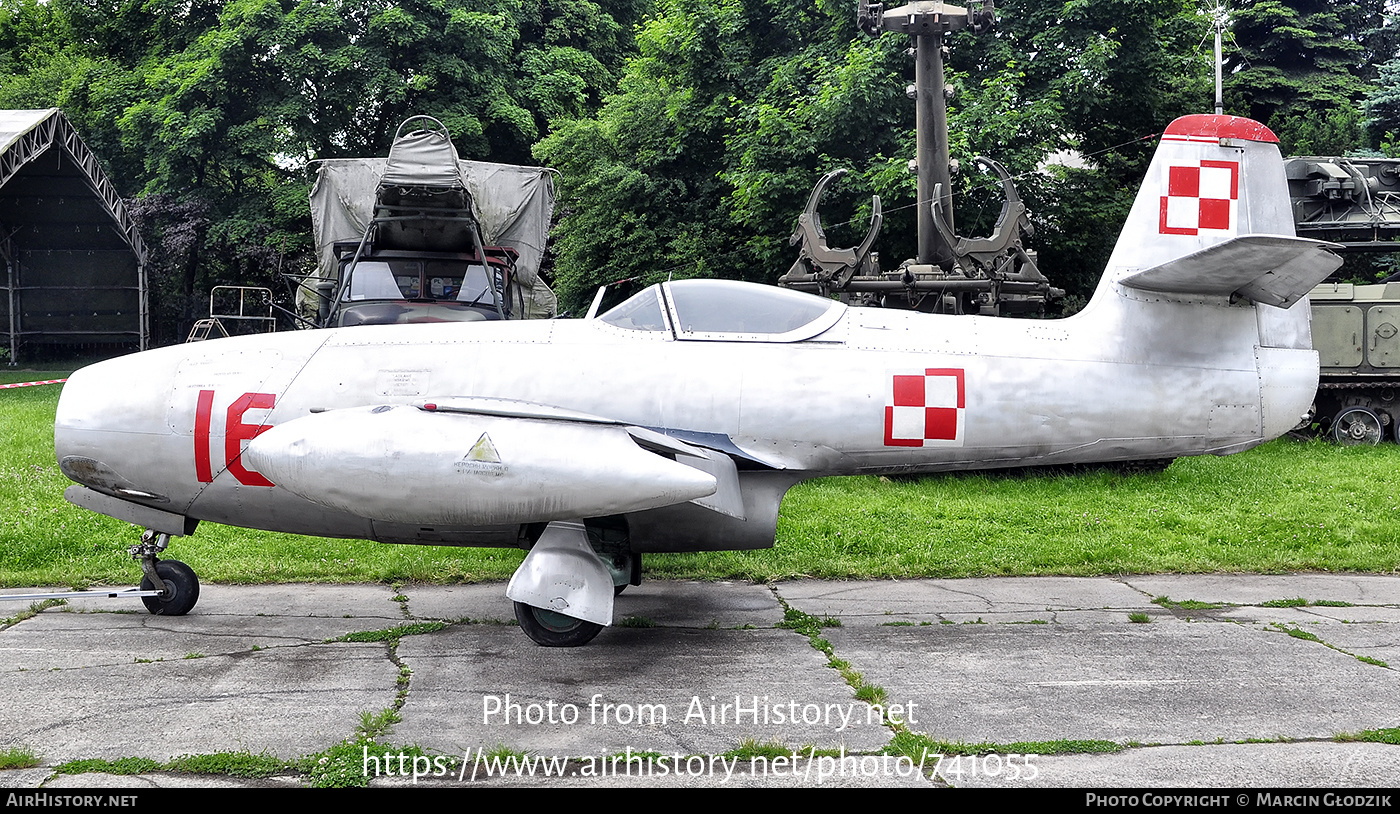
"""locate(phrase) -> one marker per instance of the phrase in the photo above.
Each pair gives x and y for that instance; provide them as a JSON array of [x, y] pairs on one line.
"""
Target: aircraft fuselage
[[878, 392]]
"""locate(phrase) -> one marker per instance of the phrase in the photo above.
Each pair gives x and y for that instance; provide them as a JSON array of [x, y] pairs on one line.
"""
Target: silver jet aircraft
[[677, 420]]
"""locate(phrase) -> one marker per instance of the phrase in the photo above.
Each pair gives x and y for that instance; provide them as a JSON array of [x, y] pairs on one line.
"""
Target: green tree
[[1382, 105], [702, 161], [1299, 63], [209, 110]]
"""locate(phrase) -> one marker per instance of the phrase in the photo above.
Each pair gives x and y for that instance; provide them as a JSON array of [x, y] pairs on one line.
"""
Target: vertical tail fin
[[1213, 218]]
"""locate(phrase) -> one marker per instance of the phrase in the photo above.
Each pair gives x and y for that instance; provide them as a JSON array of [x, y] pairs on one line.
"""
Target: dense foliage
[[208, 111], [688, 132]]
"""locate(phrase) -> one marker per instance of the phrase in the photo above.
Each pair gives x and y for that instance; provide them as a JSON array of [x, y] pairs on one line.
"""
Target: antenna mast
[[1220, 16]]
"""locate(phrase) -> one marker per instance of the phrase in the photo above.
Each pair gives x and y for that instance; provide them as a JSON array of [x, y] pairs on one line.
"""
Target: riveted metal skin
[[685, 417], [562, 574]]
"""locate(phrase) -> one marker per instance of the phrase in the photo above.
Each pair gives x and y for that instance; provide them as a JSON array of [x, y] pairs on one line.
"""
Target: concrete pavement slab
[[484, 601], [691, 691], [1355, 614], [1127, 683], [59, 640], [300, 600], [286, 701], [1051, 659], [293, 599], [700, 604], [866, 603], [1358, 589], [1315, 764], [23, 778], [1369, 639]]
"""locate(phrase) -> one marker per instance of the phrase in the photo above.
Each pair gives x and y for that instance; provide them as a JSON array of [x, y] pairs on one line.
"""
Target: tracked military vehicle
[[1355, 203]]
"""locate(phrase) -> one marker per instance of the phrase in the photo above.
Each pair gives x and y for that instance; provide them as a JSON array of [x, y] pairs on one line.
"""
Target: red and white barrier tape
[[32, 384]]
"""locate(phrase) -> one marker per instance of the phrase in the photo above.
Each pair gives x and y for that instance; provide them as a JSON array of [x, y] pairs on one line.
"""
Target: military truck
[[1354, 202], [423, 236]]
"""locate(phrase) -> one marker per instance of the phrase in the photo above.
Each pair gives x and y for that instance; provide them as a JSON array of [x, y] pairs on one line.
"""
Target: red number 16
[[235, 433]]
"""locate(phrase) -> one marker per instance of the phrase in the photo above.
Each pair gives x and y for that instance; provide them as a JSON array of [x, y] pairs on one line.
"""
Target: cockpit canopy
[[726, 310]]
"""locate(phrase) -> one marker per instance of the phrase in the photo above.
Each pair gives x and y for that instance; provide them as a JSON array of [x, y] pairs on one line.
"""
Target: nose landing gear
[[180, 591], [176, 582], [168, 588]]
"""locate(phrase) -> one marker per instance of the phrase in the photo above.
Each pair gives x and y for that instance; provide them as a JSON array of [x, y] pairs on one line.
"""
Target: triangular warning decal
[[483, 450]]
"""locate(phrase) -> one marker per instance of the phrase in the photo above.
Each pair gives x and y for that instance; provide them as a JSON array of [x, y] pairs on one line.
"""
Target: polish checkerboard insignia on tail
[[1201, 197]]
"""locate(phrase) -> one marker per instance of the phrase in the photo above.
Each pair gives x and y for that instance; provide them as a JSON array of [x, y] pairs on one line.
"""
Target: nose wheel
[[176, 582], [180, 593]]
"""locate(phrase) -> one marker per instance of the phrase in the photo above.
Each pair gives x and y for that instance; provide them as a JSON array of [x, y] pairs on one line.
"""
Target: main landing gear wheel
[[1356, 426], [181, 589], [549, 629]]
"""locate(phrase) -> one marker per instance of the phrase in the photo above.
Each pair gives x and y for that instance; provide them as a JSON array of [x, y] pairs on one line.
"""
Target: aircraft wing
[[480, 461], [1274, 270]]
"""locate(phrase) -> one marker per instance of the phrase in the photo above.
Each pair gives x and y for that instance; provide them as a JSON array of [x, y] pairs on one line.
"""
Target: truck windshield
[[433, 280]]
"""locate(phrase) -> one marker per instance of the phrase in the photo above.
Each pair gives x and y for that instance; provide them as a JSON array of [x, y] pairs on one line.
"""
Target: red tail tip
[[1210, 126]]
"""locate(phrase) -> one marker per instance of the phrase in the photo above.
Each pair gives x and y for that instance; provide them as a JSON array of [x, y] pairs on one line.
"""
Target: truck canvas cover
[[511, 204]]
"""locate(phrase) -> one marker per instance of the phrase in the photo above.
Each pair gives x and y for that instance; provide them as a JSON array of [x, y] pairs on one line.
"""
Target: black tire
[[181, 589], [549, 629]]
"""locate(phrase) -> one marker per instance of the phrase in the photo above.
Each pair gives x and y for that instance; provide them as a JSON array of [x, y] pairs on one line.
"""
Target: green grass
[[1303, 603], [1286, 506], [230, 764], [374, 726], [18, 757], [915, 746], [1298, 633], [34, 609], [1391, 736], [126, 765], [1187, 604], [393, 634], [339, 766], [749, 748]]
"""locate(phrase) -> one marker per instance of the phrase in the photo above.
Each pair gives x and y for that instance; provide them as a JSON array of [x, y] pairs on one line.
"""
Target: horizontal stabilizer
[[1274, 270]]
